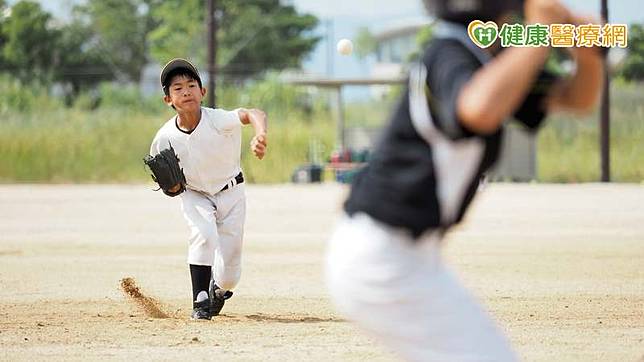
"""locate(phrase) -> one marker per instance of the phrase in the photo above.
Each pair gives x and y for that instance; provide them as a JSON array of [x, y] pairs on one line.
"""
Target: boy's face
[[184, 94]]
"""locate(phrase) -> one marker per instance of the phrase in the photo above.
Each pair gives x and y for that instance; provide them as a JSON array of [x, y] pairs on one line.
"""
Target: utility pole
[[604, 121], [212, 50]]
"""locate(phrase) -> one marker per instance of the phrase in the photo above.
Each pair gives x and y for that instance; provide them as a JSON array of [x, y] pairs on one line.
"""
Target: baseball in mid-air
[[345, 47]]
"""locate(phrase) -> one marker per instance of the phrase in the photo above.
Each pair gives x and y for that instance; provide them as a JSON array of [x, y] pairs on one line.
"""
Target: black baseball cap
[[178, 63]]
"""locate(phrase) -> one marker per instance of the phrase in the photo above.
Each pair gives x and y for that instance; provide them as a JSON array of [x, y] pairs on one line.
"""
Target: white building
[[396, 41]]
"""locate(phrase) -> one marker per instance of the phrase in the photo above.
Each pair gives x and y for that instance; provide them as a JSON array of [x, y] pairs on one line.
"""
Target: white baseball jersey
[[210, 158], [209, 154]]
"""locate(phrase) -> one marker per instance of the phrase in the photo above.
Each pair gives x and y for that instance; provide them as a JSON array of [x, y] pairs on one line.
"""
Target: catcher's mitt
[[167, 172]]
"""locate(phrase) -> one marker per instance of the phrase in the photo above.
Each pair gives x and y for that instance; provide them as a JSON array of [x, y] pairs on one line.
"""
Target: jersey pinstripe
[[210, 153]]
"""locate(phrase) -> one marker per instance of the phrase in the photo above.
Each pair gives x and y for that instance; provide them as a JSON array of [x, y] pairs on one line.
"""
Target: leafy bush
[[18, 97]]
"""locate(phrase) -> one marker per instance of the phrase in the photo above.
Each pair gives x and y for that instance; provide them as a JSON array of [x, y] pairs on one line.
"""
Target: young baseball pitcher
[[384, 268], [196, 154]]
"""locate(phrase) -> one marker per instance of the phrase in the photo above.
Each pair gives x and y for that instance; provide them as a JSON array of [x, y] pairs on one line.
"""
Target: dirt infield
[[561, 267]]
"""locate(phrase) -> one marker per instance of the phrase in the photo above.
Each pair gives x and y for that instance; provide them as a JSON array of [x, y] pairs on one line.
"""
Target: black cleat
[[201, 310], [217, 298]]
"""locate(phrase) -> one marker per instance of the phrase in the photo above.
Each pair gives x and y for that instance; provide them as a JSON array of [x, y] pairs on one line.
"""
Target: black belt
[[238, 179]]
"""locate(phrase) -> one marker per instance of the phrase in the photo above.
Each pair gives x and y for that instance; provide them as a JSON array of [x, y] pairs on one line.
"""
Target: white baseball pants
[[402, 294], [216, 231]]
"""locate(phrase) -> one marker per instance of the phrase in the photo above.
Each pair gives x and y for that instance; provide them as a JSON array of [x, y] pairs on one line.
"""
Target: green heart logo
[[483, 34]]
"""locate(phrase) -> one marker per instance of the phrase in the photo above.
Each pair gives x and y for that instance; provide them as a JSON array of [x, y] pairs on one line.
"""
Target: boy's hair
[[465, 11], [182, 72]]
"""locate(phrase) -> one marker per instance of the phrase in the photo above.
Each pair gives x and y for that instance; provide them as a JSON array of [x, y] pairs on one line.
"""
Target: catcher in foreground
[[196, 154], [384, 266]]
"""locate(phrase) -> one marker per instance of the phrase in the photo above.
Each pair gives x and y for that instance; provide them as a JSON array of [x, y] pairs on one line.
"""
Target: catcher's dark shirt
[[399, 186]]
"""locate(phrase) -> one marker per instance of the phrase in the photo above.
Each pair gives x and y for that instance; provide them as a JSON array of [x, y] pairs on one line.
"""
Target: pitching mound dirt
[[150, 306], [559, 267]]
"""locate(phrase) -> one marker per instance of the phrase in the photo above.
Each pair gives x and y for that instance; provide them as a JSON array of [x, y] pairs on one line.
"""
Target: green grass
[[69, 145], [289, 145], [568, 148], [59, 144], [108, 145]]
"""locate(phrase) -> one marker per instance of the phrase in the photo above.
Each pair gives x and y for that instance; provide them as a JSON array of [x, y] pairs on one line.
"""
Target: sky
[[627, 11], [347, 16], [368, 11], [622, 10], [343, 18]]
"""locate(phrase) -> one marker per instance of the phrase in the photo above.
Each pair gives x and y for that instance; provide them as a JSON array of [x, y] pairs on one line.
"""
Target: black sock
[[200, 275]]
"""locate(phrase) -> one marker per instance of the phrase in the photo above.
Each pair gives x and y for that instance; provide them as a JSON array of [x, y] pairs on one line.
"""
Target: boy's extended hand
[[258, 145]]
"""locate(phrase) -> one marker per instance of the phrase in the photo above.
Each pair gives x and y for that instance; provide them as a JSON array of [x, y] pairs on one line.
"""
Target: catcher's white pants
[[402, 294], [216, 230]]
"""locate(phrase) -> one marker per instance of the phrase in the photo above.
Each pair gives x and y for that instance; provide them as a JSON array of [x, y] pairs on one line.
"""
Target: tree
[[181, 31], [366, 43], [120, 29], [423, 38], [633, 68], [4, 12], [80, 65], [254, 35], [29, 42]]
